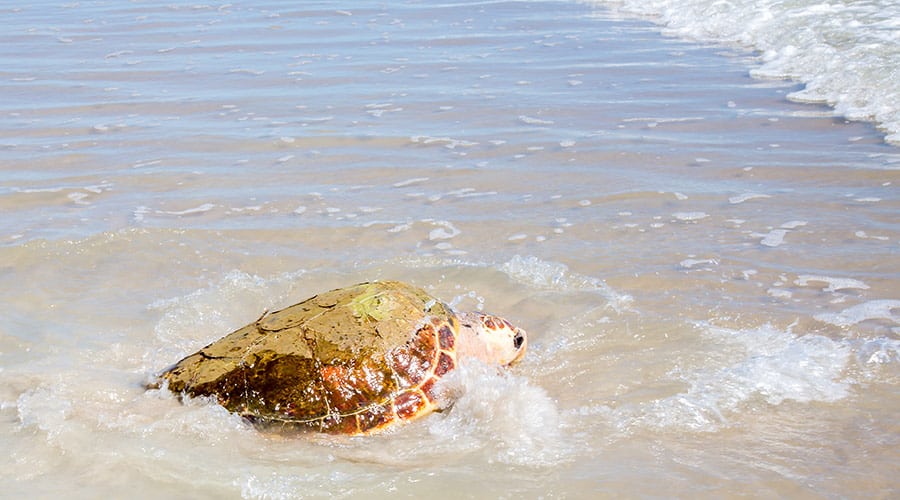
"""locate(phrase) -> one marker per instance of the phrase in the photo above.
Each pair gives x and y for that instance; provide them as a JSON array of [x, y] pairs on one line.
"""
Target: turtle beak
[[520, 341]]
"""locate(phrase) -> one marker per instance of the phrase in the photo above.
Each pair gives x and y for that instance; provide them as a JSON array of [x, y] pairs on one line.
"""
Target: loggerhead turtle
[[355, 360]]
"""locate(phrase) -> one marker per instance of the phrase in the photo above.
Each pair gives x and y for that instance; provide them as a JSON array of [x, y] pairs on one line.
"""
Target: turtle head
[[491, 339]]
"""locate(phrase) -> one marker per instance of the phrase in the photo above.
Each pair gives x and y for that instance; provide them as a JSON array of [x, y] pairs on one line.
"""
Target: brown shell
[[353, 360]]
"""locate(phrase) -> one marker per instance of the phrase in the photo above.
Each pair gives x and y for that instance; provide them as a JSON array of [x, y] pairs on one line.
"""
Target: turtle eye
[[518, 340]]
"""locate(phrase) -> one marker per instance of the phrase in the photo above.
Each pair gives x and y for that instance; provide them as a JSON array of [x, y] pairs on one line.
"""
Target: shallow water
[[847, 53], [708, 272]]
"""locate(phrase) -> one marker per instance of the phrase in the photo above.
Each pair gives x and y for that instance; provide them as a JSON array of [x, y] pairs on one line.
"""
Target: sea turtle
[[354, 360]]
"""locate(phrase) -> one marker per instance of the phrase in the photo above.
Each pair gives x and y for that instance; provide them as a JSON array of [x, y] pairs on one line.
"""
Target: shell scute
[[374, 417], [349, 388], [447, 337], [412, 361], [428, 389], [409, 403], [445, 364]]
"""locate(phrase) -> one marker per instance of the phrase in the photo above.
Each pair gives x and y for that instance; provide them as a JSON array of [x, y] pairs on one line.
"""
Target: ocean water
[[703, 251], [846, 53]]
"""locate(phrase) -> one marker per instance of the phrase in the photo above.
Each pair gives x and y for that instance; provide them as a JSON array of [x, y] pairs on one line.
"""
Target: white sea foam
[[780, 293], [879, 351], [864, 235], [834, 284], [518, 423], [762, 365], [530, 120], [741, 198], [447, 142], [794, 224], [410, 182], [873, 309], [847, 53], [206, 207], [551, 275], [78, 198], [773, 238], [690, 216], [444, 230], [697, 263]]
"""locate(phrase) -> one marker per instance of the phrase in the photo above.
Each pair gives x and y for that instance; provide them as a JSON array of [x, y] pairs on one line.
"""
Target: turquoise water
[[707, 268]]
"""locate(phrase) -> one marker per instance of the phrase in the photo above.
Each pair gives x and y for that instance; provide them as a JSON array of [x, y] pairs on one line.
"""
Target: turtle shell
[[354, 360]]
